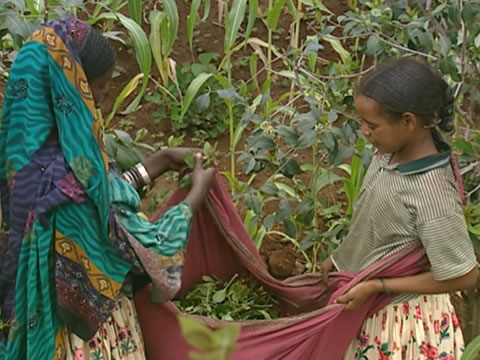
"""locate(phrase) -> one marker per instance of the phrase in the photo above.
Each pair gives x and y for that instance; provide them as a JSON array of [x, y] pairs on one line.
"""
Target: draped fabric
[[219, 245], [72, 235]]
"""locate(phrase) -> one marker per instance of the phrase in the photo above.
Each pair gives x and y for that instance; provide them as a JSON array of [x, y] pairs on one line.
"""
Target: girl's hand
[[327, 267], [357, 295]]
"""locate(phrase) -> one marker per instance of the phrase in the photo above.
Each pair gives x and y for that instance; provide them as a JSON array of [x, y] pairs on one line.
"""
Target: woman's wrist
[[157, 164], [195, 197]]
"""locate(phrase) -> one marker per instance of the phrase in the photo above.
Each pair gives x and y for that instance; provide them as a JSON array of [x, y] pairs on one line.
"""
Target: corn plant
[[164, 27], [142, 52], [192, 19]]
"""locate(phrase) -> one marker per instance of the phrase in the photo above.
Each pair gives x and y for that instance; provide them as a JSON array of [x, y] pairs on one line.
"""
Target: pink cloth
[[219, 245]]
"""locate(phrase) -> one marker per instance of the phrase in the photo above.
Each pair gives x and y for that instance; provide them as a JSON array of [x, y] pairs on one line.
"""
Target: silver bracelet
[[127, 176], [143, 173]]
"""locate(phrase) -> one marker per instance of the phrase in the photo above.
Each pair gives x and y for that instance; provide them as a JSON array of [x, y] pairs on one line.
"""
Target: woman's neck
[[419, 147]]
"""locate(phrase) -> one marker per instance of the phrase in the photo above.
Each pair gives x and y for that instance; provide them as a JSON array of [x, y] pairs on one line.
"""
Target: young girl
[[74, 242], [409, 196]]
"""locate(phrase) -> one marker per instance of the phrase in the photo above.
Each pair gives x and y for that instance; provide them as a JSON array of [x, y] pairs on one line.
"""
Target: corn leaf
[[172, 15], [127, 90], [252, 16], [274, 14], [338, 47], [191, 20], [206, 10], [156, 19], [142, 51], [135, 10], [192, 91], [234, 20], [472, 351]]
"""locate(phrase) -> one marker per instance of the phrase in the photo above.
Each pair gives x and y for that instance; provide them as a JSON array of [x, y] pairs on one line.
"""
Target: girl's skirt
[[119, 338], [424, 328]]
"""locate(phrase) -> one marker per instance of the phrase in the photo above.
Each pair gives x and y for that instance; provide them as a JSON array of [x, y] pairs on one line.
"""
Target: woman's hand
[[175, 157], [167, 159], [202, 181], [357, 295]]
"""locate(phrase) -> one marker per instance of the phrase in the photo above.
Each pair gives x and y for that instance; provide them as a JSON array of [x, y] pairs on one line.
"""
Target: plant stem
[[269, 50], [231, 126]]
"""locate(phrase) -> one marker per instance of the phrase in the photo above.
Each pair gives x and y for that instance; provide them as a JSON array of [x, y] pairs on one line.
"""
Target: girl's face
[[386, 134]]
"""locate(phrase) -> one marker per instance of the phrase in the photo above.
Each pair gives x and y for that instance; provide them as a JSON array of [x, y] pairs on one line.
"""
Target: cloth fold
[[219, 245]]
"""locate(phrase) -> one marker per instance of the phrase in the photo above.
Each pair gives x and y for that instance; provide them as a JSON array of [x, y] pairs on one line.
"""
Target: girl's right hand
[[202, 181], [327, 267]]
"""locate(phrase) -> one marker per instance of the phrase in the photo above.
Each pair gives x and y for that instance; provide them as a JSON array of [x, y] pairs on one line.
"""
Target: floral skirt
[[424, 328], [118, 338]]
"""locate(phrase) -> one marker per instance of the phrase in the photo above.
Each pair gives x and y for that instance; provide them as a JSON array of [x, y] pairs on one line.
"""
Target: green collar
[[442, 159]]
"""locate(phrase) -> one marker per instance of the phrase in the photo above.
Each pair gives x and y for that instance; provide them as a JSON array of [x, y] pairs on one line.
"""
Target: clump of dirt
[[281, 258]]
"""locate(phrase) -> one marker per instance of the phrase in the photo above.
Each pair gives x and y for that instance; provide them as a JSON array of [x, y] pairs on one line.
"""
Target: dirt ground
[[280, 256]]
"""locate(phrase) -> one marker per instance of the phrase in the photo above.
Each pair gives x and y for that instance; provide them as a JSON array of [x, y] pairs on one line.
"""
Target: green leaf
[[472, 351], [142, 52], [172, 15], [135, 10], [444, 45], [192, 91], [291, 168], [156, 20], [426, 41], [202, 102], [191, 20], [327, 178], [219, 296], [197, 334], [307, 139], [230, 94], [338, 47], [234, 20], [343, 154], [189, 159], [289, 135], [290, 228], [274, 14], [283, 212], [288, 189], [124, 94], [206, 10], [373, 45], [252, 16]]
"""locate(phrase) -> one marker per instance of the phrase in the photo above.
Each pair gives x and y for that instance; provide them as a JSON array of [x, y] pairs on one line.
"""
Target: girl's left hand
[[357, 295]]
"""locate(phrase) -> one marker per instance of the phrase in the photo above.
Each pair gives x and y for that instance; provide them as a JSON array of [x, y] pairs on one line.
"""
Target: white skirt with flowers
[[119, 338], [424, 328]]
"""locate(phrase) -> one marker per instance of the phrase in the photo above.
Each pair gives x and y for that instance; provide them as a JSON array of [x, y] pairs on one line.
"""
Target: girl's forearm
[[426, 284]]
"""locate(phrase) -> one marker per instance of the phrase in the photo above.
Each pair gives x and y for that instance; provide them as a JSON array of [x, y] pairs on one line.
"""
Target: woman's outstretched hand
[[175, 157], [167, 159]]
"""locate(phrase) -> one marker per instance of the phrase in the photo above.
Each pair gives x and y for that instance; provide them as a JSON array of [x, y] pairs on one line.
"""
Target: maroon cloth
[[219, 245]]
